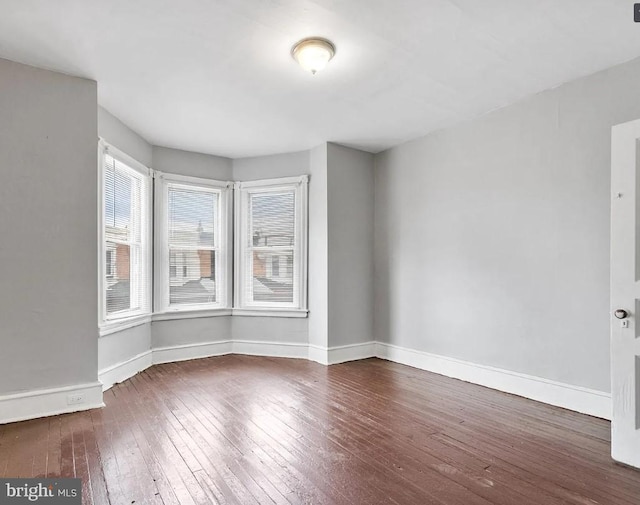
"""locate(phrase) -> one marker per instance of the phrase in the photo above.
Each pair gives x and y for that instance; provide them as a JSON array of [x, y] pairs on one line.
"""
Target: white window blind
[[125, 254], [192, 242], [271, 255]]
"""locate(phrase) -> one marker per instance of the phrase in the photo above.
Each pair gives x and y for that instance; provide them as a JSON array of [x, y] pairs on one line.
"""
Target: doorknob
[[621, 314]]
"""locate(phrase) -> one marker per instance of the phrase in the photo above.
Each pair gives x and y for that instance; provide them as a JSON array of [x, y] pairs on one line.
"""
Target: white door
[[625, 293]]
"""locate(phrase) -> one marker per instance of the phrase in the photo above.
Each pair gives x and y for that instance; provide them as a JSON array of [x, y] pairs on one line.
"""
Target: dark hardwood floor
[[248, 430]]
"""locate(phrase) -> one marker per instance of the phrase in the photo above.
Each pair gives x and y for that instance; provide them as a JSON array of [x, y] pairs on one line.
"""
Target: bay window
[[192, 266]]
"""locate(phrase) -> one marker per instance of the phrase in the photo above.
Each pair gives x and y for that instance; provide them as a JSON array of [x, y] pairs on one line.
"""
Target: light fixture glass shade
[[313, 54]]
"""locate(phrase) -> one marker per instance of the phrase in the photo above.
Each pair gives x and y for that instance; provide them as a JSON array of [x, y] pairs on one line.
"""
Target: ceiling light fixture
[[313, 53]]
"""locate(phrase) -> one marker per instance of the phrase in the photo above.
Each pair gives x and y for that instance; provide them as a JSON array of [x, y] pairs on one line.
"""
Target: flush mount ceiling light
[[313, 53]]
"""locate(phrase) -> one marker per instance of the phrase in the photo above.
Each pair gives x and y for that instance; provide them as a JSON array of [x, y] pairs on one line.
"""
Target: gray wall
[[271, 328], [174, 161], [48, 250], [118, 134], [271, 167], [492, 238], [318, 248], [123, 345], [190, 331], [350, 242]]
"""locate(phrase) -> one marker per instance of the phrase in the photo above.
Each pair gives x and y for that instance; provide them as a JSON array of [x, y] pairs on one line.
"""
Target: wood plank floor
[[248, 430]]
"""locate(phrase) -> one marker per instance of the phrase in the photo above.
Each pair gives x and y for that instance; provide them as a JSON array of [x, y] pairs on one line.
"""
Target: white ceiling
[[216, 76]]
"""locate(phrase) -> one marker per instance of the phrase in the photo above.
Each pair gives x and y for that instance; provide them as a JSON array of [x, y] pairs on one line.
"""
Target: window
[[271, 245], [192, 246], [125, 217]]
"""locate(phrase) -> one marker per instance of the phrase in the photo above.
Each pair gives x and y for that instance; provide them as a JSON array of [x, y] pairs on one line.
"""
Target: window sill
[[171, 315], [109, 327], [262, 312]]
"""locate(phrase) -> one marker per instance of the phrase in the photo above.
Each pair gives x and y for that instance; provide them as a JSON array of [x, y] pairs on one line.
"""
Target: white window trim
[[300, 184], [190, 314], [271, 312], [107, 325], [123, 324], [162, 309]]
